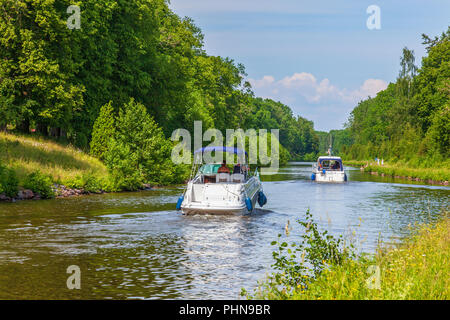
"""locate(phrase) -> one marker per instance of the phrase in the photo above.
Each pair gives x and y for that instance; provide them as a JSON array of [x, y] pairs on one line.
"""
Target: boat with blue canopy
[[328, 169], [218, 188]]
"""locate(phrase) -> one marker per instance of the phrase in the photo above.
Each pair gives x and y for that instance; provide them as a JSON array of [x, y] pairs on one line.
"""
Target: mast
[[330, 148]]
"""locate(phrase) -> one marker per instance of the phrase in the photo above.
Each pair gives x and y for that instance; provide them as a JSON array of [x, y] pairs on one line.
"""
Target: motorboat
[[210, 191], [328, 169]]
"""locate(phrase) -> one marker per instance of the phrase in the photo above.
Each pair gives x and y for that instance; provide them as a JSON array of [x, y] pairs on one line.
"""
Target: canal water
[[137, 246]]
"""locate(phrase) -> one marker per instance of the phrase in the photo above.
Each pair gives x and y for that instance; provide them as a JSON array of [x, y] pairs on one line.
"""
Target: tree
[[410, 119], [103, 131], [138, 151]]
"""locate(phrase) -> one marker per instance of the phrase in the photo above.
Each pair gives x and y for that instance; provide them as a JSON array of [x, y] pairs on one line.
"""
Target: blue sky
[[318, 57]]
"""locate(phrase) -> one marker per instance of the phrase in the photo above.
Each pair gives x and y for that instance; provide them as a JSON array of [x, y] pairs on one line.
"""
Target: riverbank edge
[[93, 179], [61, 191], [415, 268], [400, 171], [411, 269]]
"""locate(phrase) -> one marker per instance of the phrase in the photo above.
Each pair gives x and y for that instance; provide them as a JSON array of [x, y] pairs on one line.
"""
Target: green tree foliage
[[102, 132], [38, 76], [409, 120], [56, 79], [8, 182], [138, 152], [340, 141], [297, 134]]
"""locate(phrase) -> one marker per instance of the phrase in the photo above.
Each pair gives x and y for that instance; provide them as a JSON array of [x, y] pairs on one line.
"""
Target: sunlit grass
[[419, 268], [440, 172], [63, 163]]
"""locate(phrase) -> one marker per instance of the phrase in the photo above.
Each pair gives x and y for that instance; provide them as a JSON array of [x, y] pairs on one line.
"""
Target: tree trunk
[[24, 126], [42, 129], [55, 132]]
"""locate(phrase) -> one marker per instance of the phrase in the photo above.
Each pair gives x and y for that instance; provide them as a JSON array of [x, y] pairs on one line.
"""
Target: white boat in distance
[[211, 192], [328, 169]]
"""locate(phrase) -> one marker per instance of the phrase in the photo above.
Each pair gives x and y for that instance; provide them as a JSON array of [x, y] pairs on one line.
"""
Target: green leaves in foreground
[[323, 267], [39, 183], [298, 263], [8, 182]]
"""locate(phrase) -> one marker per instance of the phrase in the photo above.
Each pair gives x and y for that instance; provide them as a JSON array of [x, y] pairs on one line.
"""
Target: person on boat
[[223, 168], [237, 168], [245, 169], [335, 165]]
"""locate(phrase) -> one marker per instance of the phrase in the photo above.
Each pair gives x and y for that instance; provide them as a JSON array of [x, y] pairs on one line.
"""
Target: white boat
[[210, 192], [328, 169]]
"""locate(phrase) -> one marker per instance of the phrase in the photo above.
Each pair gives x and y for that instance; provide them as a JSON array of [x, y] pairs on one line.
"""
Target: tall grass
[[417, 268], [64, 163], [437, 173]]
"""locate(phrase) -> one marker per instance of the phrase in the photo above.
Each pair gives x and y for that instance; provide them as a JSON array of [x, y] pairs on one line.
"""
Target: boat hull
[[221, 198], [330, 176], [192, 210]]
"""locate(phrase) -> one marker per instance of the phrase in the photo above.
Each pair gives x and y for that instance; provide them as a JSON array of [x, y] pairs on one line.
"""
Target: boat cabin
[[222, 173], [219, 188], [330, 163], [209, 173]]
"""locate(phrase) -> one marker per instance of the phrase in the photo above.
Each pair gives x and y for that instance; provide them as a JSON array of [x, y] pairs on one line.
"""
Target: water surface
[[137, 246]]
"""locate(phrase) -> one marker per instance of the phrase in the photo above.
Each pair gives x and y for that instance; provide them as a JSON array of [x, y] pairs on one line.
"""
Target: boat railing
[[315, 167], [221, 178]]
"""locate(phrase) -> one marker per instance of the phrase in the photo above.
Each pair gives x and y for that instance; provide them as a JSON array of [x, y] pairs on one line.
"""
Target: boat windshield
[[331, 164], [209, 168]]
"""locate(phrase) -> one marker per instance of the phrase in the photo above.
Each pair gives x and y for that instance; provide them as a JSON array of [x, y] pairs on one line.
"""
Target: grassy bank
[[62, 164], [438, 174], [418, 268], [355, 163]]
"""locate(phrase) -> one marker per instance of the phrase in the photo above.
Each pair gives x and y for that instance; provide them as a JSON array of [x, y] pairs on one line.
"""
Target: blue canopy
[[330, 159], [221, 149], [336, 159]]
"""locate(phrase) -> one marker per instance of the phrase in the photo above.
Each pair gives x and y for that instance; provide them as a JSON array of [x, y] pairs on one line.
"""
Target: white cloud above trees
[[316, 99], [307, 86]]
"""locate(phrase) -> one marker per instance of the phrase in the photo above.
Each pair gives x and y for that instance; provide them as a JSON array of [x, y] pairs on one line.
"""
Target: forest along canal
[[135, 245]]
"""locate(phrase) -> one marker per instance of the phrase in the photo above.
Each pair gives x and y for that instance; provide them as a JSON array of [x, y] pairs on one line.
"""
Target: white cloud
[[369, 88], [318, 100], [265, 81], [307, 86], [298, 80]]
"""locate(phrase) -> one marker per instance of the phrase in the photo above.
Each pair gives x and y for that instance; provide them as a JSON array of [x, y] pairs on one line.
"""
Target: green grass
[[355, 163], [63, 163], [417, 269], [438, 173]]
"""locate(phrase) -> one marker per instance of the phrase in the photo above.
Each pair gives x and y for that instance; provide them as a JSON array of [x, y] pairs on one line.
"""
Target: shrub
[[102, 131], [86, 181], [124, 167], [138, 152], [299, 263], [39, 183], [8, 182]]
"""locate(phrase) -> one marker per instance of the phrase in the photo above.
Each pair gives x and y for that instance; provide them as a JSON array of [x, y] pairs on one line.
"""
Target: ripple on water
[[135, 246]]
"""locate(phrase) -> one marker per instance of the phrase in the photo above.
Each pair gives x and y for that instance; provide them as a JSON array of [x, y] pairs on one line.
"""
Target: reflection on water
[[135, 245]]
